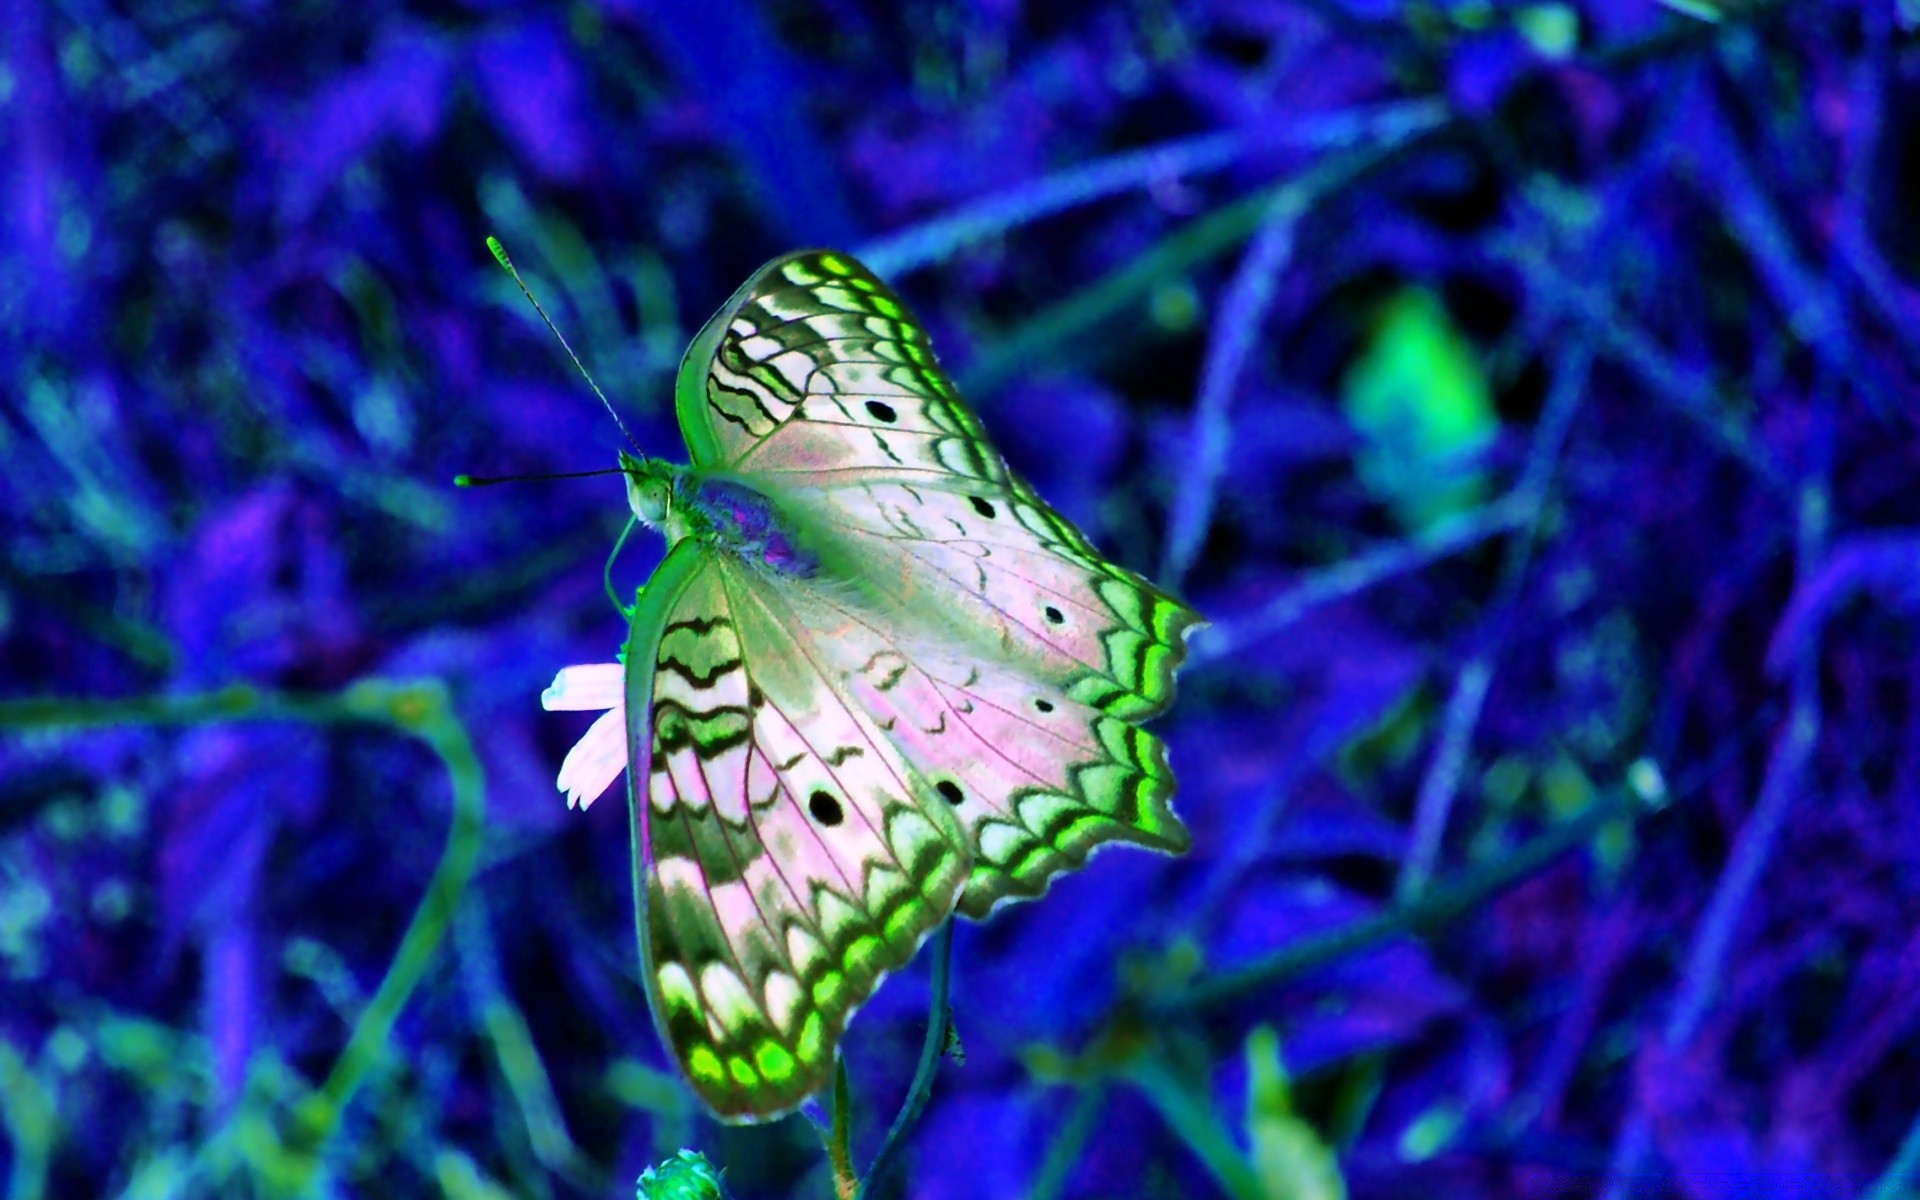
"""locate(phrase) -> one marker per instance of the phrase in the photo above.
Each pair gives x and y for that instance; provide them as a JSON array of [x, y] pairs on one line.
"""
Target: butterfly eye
[[1043, 705], [825, 809], [1054, 615], [950, 790], [882, 412], [983, 507]]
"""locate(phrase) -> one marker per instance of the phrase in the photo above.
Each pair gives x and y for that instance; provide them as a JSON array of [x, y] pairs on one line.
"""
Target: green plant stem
[[1193, 1118], [846, 1183], [1068, 1143], [421, 709], [930, 1051], [1434, 908]]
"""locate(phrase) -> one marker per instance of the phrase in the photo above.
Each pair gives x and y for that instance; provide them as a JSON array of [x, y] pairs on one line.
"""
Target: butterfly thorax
[[720, 513]]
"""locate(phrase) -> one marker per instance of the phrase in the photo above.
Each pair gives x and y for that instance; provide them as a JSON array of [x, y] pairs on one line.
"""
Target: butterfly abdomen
[[736, 519]]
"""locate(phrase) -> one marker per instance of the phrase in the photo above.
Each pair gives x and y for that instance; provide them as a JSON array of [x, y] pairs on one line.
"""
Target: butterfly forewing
[[787, 864], [816, 371]]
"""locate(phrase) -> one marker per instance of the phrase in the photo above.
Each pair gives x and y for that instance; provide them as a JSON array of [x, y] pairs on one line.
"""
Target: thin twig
[[1812, 308], [1068, 1143], [1441, 783], [1444, 539], [1683, 391], [1435, 907], [930, 1051], [1442, 780], [1242, 310], [1193, 1118], [934, 240], [1713, 937], [1195, 242]]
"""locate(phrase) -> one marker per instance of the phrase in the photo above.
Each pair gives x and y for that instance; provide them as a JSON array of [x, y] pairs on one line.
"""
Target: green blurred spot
[[1289, 1158], [1431, 1132], [111, 902], [1613, 849], [67, 1048], [73, 234], [1506, 781], [1390, 742], [123, 811], [685, 1176], [1553, 30], [1422, 407], [1566, 789], [1174, 306], [1647, 782], [460, 1179], [1473, 14]]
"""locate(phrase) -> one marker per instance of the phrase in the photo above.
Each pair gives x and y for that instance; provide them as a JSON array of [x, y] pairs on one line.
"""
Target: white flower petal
[[596, 760], [596, 685]]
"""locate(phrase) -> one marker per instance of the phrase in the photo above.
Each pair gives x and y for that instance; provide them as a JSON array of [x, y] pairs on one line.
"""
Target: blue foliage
[[250, 331]]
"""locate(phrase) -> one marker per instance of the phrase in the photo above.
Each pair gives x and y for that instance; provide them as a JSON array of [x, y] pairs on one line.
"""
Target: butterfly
[[875, 681]]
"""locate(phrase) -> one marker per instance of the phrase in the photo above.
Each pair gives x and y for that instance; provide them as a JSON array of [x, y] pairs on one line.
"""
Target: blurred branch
[[1068, 1143], [1193, 1118], [1242, 310], [1434, 909], [937, 239], [30, 1114], [1713, 937], [421, 709], [1901, 1175], [1812, 309], [1853, 244], [1196, 242], [1685, 393], [511, 1042], [1443, 539], [1441, 783], [137, 639]]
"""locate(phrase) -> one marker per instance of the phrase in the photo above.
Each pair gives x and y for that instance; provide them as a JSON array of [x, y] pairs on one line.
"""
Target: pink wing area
[[1009, 578], [1037, 779], [789, 864]]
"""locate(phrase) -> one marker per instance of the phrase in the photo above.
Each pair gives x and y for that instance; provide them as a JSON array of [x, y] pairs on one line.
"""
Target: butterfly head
[[649, 489]]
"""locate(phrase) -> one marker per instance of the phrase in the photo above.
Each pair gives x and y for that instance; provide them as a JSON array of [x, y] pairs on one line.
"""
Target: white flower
[[597, 759]]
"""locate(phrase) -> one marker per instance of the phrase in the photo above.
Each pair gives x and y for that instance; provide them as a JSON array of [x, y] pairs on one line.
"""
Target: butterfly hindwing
[[786, 860], [1036, 779]]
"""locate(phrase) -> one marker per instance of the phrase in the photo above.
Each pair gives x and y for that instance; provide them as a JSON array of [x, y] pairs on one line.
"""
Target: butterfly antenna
[[500, 256], [474, 481]]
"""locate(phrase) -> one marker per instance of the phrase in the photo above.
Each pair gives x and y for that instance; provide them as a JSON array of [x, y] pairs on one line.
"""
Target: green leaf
[[1289, 1157], [1421, 404]]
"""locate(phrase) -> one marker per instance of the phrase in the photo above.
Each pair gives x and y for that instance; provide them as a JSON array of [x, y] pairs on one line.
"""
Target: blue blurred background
[[1526, 391]]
